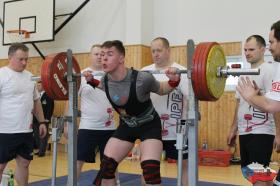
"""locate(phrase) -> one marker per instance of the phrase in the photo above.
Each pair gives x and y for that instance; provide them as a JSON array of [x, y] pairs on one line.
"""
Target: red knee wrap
[[107, 170], [151, 171]]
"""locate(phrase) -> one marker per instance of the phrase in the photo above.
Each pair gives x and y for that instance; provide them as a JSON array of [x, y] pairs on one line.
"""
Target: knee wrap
[[107, 170], [151, 171]]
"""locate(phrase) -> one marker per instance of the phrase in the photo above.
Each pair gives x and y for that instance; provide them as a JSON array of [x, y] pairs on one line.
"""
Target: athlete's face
[[274, 46], [18, 60], [111, 59]]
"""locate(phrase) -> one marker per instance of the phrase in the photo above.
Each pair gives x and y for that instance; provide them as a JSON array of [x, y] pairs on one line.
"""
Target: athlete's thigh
[[151, 149], [117, 149], [106, 135]]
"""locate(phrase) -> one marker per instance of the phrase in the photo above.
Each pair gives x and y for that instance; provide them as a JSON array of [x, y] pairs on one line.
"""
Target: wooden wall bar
[[232, 48], [216, 117]]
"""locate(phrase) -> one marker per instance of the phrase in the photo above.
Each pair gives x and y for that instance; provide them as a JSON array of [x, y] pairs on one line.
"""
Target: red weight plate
[[75, 70], [58, 81], [56, 75], [195, 79], [201, 71], [206, 95], [194, 69], [45, 71]]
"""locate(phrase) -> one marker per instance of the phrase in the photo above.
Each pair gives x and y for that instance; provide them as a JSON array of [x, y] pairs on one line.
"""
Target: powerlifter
[[129, 90]]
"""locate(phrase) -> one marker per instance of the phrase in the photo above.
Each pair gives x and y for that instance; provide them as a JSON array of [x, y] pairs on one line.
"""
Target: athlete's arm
[[174, 80]]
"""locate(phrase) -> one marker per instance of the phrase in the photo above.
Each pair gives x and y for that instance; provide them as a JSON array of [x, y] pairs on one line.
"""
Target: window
[[231, 81]]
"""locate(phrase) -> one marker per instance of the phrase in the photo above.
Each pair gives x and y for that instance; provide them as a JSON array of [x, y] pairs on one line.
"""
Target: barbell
[[208, 73]]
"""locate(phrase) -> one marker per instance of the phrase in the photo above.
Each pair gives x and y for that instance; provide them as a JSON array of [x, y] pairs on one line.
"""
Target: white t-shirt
[[172, 107], [274, 93], [17, 95], [96, 111], [257, 122]]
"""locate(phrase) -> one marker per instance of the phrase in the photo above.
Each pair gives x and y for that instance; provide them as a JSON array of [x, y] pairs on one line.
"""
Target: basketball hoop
[[18, 36]]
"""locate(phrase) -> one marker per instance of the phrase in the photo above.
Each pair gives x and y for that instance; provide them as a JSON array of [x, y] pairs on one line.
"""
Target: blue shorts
[[90, 141], [12, 145], [171, 151]]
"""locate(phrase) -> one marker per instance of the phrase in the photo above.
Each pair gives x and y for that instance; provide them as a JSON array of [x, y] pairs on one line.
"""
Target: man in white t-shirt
[[19, 98], [270, 102], [171, 107], [256, 128], [97, 116]]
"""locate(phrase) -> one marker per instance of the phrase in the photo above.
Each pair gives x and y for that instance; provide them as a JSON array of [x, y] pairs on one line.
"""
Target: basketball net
[[18, 36]]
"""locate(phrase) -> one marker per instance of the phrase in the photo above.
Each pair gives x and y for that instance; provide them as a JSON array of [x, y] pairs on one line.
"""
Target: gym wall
[[216, 117], [137, 22]]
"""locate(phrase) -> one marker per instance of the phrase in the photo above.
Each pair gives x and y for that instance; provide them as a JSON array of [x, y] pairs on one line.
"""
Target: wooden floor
[[41, 168]]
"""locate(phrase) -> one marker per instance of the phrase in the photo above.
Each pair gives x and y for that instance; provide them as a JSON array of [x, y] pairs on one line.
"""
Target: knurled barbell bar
[[221, 72], [208, 74]]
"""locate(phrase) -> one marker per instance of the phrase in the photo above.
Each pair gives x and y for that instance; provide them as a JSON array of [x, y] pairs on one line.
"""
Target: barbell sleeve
[[35, 78], [225, 72]]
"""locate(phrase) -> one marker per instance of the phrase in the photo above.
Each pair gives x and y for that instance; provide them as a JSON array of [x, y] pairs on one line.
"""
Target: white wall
[[215, 20], [147, 21], [139, 21]]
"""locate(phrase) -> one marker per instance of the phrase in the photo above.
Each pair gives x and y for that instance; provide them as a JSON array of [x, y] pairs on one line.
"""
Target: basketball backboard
[[33, 16]]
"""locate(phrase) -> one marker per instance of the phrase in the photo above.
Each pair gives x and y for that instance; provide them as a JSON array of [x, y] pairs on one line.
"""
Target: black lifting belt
[[136, 121]]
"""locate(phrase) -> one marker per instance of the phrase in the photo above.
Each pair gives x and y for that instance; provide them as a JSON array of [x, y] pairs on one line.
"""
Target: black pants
[[40, 143]]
